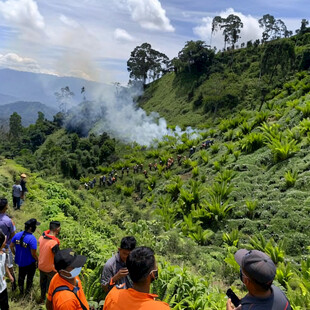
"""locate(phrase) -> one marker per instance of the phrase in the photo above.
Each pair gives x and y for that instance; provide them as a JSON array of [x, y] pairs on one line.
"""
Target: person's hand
[[230, 306], [11, 278], [121, 274]]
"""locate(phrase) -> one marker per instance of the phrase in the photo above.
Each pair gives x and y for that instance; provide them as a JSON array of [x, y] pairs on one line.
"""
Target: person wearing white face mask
[[65, 291]]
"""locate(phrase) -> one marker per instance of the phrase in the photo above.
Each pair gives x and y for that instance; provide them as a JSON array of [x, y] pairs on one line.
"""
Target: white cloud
[[150, 15], [250, 30], [22, 14], [16, 62], [69, 21], [122, 35]]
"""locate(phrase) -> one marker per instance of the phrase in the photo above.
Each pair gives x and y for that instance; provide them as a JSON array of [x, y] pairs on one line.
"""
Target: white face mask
[[74, 273]]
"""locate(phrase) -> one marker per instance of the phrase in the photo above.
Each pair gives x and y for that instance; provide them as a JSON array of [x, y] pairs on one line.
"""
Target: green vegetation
[[249, 189]]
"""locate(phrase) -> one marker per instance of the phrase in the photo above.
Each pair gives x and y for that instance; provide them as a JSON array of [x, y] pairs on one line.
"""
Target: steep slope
[[248, 189]]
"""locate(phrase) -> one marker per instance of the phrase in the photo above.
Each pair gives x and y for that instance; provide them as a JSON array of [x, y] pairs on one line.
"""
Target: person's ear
[[64, 273]]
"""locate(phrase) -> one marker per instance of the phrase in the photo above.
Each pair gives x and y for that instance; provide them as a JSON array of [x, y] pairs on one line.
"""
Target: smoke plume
[[115, 112]]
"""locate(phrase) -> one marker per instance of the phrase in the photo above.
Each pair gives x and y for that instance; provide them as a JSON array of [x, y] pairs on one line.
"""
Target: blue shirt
[[7, 227], [23, 255]]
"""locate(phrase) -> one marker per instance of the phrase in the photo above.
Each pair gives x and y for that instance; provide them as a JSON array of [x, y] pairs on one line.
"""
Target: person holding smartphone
[[143, 271], [115, 272], [257, 272]]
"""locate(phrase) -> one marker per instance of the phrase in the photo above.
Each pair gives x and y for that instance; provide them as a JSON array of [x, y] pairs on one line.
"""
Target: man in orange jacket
[[143, 270], [49, 246], [65, 291]]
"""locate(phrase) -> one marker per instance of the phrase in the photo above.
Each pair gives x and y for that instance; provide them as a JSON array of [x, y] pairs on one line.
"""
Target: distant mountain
[[27, 110], [37, 87], [4, 99]]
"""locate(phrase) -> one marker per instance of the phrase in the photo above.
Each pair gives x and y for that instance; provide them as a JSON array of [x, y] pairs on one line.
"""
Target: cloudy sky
[[93, 38]]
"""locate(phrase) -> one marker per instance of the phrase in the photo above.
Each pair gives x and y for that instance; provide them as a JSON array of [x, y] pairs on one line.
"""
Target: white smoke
[[116, 113], [124, 120]]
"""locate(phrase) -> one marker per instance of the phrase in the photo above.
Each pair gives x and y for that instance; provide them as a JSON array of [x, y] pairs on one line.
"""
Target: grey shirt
[[112, 266], [17, 190], [276, 301]]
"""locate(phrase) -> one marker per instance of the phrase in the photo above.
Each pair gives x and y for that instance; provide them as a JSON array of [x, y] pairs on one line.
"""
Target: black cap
[[32, 222], [67, 257], [258, 265]]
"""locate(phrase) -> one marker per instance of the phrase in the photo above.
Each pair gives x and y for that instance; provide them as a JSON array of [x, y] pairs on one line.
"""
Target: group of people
[[126, 277], [23, 245]]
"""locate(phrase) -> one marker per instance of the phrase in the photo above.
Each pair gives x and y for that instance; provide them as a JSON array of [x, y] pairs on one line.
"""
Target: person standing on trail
[[8, 228], [65, 291], [115, 272], [24, 247], [23, 182], [257, 272], [49, 246], [16, 194], [143, 271]]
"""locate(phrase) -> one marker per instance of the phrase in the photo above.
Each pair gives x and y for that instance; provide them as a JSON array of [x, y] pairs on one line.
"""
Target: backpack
[[74, 291]]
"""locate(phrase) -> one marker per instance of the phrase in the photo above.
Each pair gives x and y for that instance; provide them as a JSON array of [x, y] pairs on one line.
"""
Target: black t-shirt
[[276, 301]]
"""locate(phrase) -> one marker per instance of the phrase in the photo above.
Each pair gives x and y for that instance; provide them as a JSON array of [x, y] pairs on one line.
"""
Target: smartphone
[[234, 298]]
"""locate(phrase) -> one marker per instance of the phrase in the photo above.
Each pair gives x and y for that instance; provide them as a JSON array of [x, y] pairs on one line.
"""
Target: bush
[[232, 238], [230, 148], [305, 125], [195, 171], [305, 109], [214, 148], [251, 206], [282, 149], [252, 142], [290, 178], [128, 190]]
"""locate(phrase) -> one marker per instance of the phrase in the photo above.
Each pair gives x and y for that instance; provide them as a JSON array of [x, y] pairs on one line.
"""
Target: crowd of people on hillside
[[126, 276], [112, 177]]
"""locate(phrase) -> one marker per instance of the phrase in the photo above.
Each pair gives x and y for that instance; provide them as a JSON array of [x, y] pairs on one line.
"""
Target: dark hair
[[263, 286], [2, 237], [32, 226], [128, 243], [140, 262], [3, 203], [54, 225]]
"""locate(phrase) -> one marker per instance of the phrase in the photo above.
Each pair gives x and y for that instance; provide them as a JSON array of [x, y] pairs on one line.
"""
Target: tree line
[[146, 64]]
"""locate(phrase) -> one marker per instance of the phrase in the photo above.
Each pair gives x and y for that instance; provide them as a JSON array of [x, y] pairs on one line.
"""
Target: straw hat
[[23, 175]]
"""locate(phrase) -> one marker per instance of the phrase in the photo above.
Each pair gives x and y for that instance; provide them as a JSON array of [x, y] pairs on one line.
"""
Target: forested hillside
[[194, 203]]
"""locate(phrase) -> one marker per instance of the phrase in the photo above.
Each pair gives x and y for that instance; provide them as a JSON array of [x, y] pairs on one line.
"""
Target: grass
[[186, 234]]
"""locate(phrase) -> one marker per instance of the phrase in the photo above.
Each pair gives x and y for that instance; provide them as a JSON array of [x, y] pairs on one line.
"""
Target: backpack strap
[[21, 241], [74, 291]]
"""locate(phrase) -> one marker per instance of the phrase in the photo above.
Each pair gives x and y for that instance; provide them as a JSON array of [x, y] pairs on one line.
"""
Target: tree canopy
[[273, 28], [195, 57], [146, 63], [231, 28]]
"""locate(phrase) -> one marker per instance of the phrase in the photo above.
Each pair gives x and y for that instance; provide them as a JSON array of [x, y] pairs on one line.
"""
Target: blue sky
[[93, 38]]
